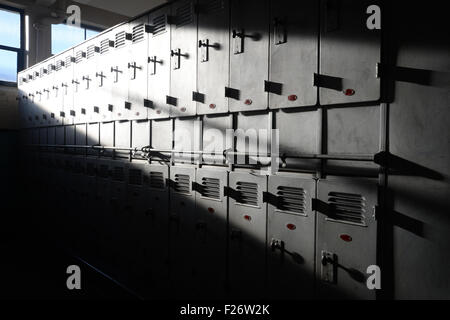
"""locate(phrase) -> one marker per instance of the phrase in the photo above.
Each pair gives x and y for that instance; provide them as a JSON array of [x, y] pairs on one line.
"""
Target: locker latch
[[128, 36], [87, 79], [149, 28], [100, 76], [62, 114], [198, 97], [117, 71], [328, 267], [238, 42], [96, 109], [148, 103], [279, 31], [171, 101], [232, 93], [276, 244], [329, 82], [176, 55], [273, 87], [134, 66], [153, 60], [127, 105]]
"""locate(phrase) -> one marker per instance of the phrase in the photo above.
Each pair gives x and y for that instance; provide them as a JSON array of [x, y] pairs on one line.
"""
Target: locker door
[[84, 72], [210, 253], [119, 58], [213, 55], [291, 236], [183, 51], [107, 137], [104, 78], [80, 208], [214, 140], [346, 237], [92, 137], [60, 86], [184, 227], [35, 110], [60, 135], [249, 55], [103, 207], [349, 53], [93, 221], [159, 64], [80, 138], [153, 231], [119, 217], [21, 85], [186, 138], [70, 86], [91, 83], [247, 235], [122, 133], [41, 95], [140, 133], [69, 133], [79, 86], [137, 71], [293, 53]]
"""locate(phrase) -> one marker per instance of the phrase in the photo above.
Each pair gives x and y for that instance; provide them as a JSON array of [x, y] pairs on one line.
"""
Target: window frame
[[21, 50]]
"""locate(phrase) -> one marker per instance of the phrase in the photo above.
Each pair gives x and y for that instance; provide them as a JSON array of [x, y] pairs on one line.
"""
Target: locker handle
[[242, 35]]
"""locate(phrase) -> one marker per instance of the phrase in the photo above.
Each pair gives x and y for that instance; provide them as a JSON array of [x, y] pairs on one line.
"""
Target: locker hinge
[[110, 107], [96, 109], [320, 206], [273, 87], [83, 111], [72, 59], [127, 105], [97, 49], [83, 54], [198, 97], [111, 43], [230, 192], [171, 101], [52, 115], [232, 93], [72, 113], [62, 114], [329, 82], [376, 212], [196, 186], [148, 103], [129, 36], [149, 28], [270, 198], [170, 183]]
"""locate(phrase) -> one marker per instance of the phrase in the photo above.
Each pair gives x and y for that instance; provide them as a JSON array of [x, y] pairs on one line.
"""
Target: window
[[65, 36], [11, 44]]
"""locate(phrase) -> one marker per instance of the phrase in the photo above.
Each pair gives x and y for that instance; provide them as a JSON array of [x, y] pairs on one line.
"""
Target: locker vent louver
[[159, 25], [59, 64], [247, 193], [90, 51], [210, 188], [182, 182], [184, 15], [49, 68], [103, 171], [292, 200], [135, 177], [104, 46], [68, 61], [213, 6], [138, 33], [156, 180], [347, 207], [78, 56], [118, 174], [41, 72], [120, 40]]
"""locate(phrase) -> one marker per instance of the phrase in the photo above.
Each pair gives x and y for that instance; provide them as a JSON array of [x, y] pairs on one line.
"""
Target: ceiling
[[128, 8]]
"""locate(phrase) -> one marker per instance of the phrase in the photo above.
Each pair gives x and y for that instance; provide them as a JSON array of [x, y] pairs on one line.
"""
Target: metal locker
[[210, 253], [79, 208], [80, 138], [247, 234], [57, 92], [59, 136], [183, 52], [104, 77], [291, 236], [253, 136], [353, 131], [93, 223], [50, 92], [140, 133], [349, 53], [35, 136], [293, 53], [122, 138], [51, 136], [214, 138], [213, 55], [186, 139], [161, 137], [184, 229], [21, 89], [34, 110], [299, 133], [249, 55], [118, 216], [93, 137], [159, 64], [69, 132], [103, 210], [153, 233], [137, 71], [107, 137], [41, 94], [84, 87], [43, 136], [346, 236], [118, 70], [69, 85]]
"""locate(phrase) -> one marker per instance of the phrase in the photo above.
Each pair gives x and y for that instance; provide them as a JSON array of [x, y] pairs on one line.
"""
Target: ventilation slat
[[68, 61], [292, 200], [182, 183], [346, 207], [213, 6], [156, 180], [210, 188], [120, 40], [78, 56], [184, 15], [247, 193], [90, 51], [138, 33], [135, 177], [104, 46], [159, 25]]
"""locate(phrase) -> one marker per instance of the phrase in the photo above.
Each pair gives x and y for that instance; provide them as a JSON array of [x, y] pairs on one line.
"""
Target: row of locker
[[210, 56], [182, 231]]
